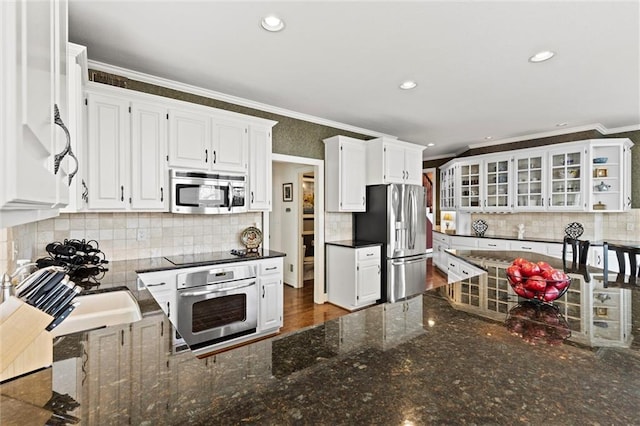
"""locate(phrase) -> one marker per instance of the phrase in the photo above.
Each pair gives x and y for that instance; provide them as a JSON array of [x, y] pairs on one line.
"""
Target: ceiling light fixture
[[561, 124], [545, 55], [272, 23], [408, 85], [488, 138], [431, 144]]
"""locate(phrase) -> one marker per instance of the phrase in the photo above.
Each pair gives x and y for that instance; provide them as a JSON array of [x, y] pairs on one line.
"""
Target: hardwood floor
[[301, 312]]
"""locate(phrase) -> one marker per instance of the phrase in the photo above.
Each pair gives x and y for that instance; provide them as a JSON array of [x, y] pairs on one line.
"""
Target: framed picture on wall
[[287, 192]]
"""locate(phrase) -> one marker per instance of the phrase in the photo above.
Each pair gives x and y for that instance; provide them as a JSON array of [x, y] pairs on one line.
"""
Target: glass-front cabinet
[[470, 175], [610, 176], [566, 179], [497, 187], [590, 175], [448, 188], [529, 172]]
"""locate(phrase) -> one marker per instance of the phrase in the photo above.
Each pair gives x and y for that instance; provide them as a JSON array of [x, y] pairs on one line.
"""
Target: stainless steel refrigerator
[[396, 217]]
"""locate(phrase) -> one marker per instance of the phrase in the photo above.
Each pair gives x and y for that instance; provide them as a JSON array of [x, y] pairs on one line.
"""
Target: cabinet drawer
[[493, 244], [463, 242], [529, 246], [440, 237], [269, 267], [369, 253]]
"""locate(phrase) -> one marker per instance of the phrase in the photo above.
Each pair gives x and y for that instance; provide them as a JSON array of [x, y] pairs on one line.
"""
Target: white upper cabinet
[[189, 139], [149, 174], [497, 185], [126, 150], [565, 184], [448, 187], [345, 174], [230, 146], [470, 191], [610, 175], [260, 167], [33, 36], [393, 161], [529, 178], [108, 143], [590, 175], [199, 139]]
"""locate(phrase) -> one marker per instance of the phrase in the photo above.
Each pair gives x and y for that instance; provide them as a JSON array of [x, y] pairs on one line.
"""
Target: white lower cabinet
[[441, 242], [271, 294], [107, 354], [353, 275]]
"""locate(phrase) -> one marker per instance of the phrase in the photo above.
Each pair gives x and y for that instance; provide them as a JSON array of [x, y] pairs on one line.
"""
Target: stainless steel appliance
[[207, 193], [217, 304], [396, 216]]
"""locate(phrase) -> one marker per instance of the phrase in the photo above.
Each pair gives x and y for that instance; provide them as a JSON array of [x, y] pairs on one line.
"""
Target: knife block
[[25, 345]]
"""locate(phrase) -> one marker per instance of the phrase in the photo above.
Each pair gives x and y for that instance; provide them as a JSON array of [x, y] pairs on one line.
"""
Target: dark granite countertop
[[413, 362], [632, 244], [353, 243]]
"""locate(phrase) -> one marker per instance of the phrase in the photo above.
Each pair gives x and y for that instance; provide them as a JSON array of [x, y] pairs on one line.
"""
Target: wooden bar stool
[[623, 253], [580, 254]]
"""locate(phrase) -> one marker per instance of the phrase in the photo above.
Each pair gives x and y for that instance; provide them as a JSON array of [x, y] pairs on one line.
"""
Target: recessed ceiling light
[[272, 23], [408, 85], [561, 124], [545, 55], [488, 138], [431, 144]]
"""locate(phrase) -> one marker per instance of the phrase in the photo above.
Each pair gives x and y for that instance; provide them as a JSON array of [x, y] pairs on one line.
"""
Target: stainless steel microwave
[[207, 193]]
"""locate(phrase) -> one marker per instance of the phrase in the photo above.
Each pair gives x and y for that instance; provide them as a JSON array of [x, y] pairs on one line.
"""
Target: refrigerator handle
[[412, 219]]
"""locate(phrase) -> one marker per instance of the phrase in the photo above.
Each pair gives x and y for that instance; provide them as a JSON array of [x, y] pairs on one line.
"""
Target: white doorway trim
[[319, 295]]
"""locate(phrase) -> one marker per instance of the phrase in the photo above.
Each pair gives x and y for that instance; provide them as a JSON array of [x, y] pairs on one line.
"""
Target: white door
[[260, 168], [230, 146], [108, 127], [270, 302], [149, 173], [352, 176], [368, 285], [413, 166], [394, 171], [189, 139]]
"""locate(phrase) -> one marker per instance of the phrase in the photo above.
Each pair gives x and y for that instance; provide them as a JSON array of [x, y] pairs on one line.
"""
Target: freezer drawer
[[406, 277]]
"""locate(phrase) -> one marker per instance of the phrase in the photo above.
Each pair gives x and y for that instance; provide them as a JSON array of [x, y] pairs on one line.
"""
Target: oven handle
[[222, 290], [230, 196]]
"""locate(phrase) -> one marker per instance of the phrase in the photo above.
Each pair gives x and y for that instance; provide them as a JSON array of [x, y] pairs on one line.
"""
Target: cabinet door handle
[[273, 268], [206, 155], [122, 193], [378, 269], [58, 157], [263, 292], [407, 174], [492, 245], [364, 201], [156, 285], [161, 194], [252, 196], [67, 148], [85, 192], [629, 201], [214, 156]]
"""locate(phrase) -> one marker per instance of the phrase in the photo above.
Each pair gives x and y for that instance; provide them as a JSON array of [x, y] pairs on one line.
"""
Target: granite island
[[414, 362]]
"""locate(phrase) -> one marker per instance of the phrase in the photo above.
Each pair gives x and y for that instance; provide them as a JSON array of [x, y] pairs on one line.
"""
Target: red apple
[[544, 266], [536, 283], [519, 261], [530, 269], [514, 274], [551, 293]]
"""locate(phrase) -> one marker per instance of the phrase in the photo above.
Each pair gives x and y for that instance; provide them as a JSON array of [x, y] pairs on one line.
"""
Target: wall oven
[[207, 193], [217, 304]]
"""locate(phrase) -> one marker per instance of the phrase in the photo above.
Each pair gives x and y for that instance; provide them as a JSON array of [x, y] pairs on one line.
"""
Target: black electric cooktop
[[218, 257]]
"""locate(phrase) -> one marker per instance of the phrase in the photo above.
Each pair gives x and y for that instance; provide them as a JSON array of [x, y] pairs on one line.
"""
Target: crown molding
[[187, 88], [558, 132]]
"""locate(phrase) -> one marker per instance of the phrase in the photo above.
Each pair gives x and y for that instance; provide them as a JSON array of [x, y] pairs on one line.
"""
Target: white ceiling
[[343, 61]]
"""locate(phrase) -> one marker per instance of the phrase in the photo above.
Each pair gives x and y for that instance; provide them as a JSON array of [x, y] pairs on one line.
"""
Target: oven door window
[[188, 195], [218, 312]]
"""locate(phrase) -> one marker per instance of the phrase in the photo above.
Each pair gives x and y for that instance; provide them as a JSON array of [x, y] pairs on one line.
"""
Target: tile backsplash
[[128, 235], [597, 226]]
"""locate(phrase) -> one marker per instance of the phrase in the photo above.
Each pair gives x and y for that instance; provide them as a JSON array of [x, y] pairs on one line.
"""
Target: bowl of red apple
[[537, 281]]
